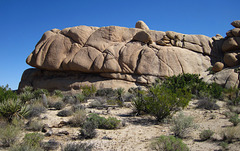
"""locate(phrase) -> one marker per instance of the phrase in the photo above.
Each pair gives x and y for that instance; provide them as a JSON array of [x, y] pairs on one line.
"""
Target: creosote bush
[[168, 143], [88, 91]]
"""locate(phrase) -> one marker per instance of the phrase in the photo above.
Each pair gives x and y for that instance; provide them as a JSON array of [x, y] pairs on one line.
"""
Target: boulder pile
[[122, 57]]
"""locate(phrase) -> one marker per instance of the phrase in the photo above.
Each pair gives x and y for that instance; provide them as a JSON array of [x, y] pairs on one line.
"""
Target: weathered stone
[[231, 44], [236, 23], [218, 66], [217, 37], [140, 24], [142, 36], [230, 59], [236, 32], [229, 33]]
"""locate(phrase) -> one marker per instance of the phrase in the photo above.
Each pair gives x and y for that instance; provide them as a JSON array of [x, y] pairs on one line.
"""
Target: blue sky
[[23, 22]]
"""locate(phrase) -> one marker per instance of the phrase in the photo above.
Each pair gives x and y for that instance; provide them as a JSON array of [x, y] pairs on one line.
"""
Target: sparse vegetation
[[34, 125], [88, 91], [65, 113], [182, 125], [6, 93], [234, 119], [78, 118], [9, 134], [168, 143]]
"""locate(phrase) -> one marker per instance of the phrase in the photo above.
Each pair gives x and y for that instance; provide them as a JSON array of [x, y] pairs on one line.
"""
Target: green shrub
[[6, 94], [162, 102], [206, 134], [80, 97], [88, 90], [33, 139], [102, 122], [78, 147], [168, 143], [9, 134], [234, 119], [26, 96], [78, 118], [13, 108], [139, 102], [182, 124], [97, 104], [224, 146], [65, 113]]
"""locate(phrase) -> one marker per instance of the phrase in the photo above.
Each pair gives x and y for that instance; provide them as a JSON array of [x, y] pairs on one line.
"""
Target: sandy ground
[[140, 131]]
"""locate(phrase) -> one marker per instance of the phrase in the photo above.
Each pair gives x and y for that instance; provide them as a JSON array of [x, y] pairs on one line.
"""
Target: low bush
[[78, 107], [34, 125], [97, 104], [69, 99], [234, 119], [65, 113], [36, 109], [168, 143], [58, 93], [26, 96], [10, 109], [33, 139], [78, 118], [207, 104], [38, 93], [88, 130], [9, 134], [102, 122], [182, 125], [206, 134], [78, 147]]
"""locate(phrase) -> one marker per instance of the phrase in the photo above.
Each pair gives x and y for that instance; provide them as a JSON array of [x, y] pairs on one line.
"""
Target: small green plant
[[78, 147], [33, 139], [168, 143], [9, 134], [234, 119], [58, 93], [88, 91], [80, 97], [13, 108], [206, 134], [224, 146], [65, 113], [26, 96], [78, 118], [182, 124]]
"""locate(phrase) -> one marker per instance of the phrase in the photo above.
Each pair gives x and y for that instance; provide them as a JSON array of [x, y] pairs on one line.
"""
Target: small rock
[[49, 133], [140, 24], [142, 36], [218, 66]]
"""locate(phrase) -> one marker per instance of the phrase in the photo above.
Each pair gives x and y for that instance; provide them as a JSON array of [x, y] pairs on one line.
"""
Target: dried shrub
[[78, 118], [34, 125], [230, 134], [9, 134], [78, 147], [182, 125], [207, 104]]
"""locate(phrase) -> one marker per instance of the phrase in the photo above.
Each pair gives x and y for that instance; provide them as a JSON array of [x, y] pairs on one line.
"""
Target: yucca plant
[[13, 108]]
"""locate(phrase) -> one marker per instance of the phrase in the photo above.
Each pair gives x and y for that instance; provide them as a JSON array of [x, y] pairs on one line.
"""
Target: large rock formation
[[117, 56]]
